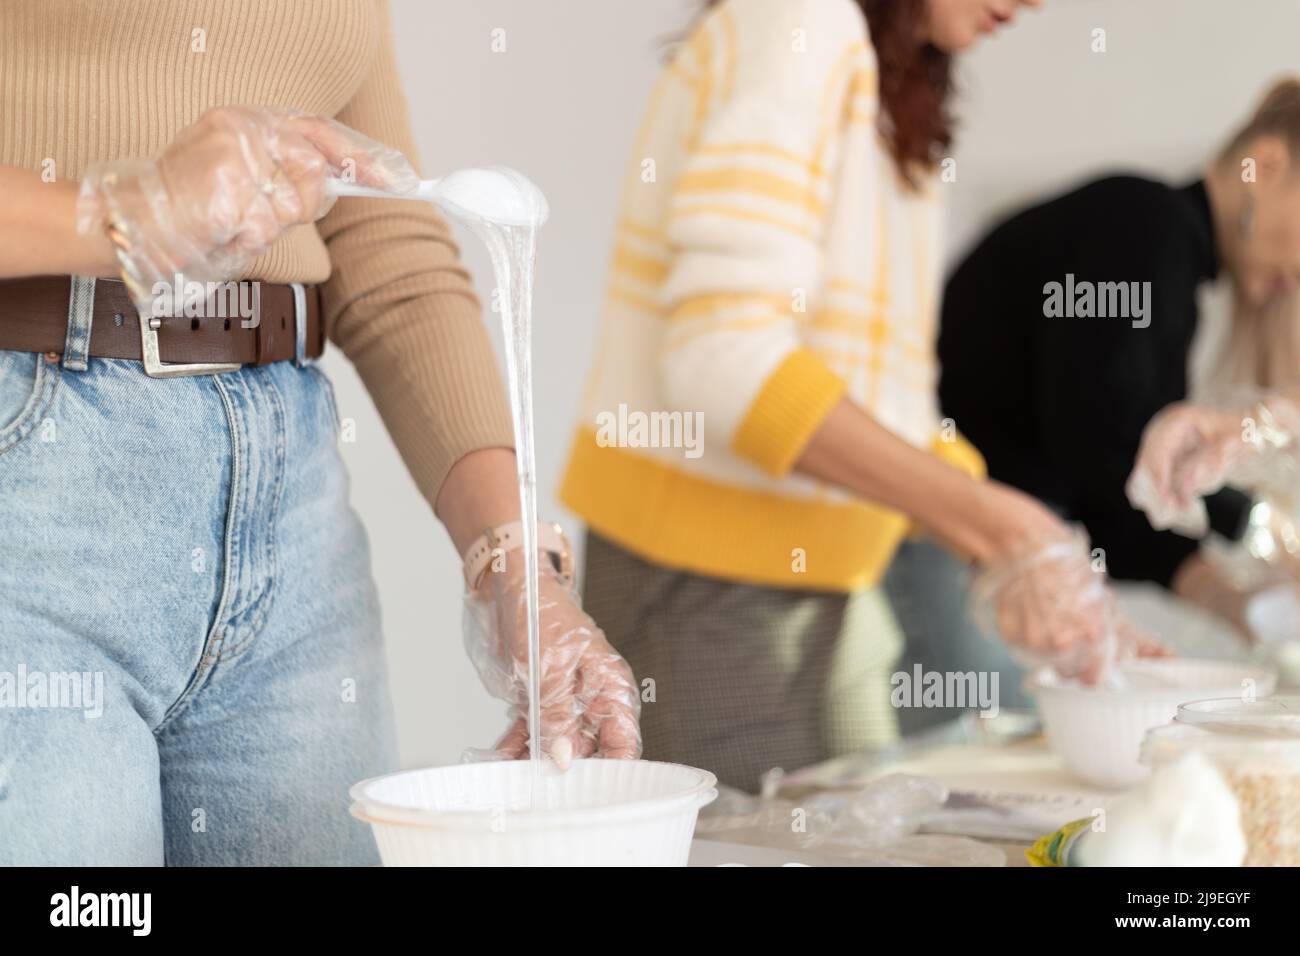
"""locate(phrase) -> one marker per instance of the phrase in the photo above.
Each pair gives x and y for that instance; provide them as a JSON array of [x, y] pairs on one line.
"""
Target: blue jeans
[[191, 664], [928, 588]]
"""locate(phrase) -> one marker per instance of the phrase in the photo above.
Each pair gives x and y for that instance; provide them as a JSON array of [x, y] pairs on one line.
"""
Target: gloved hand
[[1054, 609], [589, 700], [225, 189], [1190, 451]]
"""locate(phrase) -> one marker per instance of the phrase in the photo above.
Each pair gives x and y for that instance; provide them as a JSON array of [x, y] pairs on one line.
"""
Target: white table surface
[[1028, 769]]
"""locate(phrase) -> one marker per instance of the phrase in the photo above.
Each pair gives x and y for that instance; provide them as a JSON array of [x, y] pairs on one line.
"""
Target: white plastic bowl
[[1098, 731], [597, 813]]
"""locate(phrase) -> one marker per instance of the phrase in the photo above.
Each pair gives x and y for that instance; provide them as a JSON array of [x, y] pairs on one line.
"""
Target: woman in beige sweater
[[190, 657]]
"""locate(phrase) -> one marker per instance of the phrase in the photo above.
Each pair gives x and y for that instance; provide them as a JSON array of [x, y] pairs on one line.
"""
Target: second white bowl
[[1098, 731]]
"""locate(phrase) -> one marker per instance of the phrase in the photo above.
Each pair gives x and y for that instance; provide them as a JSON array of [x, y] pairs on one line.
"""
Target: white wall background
[[1039, 110]]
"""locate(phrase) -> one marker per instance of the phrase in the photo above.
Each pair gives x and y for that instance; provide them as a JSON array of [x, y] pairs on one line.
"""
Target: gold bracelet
[[122, 247]]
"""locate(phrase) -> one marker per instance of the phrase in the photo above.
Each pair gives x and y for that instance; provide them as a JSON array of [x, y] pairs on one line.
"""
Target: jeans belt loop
[[299, 324], [81, 318]]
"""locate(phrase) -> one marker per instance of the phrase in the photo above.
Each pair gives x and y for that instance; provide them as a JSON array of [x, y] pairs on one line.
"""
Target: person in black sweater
[[1069, 327], [1056, 400]]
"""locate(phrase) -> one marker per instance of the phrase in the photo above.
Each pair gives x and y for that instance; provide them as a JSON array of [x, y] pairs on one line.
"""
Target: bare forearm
[[38, 229], [1202, 584], [977, 520], [481, 491]]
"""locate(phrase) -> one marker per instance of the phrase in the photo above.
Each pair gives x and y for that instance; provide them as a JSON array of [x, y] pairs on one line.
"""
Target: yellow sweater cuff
[[789, 409], [961, 454]]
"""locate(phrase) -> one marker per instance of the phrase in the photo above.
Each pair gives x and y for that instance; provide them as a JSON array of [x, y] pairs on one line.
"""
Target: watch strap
[[506, 538]]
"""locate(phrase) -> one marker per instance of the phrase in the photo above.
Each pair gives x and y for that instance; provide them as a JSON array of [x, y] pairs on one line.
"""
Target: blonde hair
[[1263, 347], [1278, 115]]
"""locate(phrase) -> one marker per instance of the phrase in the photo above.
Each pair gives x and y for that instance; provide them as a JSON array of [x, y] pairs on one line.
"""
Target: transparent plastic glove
[[1190, 451], [1054, 609], [590, 705], [225, 189]]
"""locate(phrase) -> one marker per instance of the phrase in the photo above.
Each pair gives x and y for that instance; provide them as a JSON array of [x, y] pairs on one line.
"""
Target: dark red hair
[[915, 83]]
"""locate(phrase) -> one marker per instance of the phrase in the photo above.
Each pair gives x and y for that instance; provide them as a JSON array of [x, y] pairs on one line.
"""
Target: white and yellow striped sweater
[[769, 261]]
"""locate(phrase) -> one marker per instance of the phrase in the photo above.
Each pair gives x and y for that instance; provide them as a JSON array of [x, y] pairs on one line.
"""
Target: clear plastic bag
[[878, 822]]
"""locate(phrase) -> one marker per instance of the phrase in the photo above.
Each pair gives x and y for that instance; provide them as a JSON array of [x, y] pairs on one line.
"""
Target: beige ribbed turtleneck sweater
[[88, 80]]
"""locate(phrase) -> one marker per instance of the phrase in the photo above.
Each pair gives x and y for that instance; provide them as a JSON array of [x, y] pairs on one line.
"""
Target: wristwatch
[[506, 538]]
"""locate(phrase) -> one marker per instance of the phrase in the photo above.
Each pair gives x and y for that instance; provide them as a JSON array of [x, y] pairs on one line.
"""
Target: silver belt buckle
[[155, 367]]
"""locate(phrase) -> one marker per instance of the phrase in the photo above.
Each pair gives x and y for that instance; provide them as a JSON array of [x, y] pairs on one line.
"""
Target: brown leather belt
[[35, 319]]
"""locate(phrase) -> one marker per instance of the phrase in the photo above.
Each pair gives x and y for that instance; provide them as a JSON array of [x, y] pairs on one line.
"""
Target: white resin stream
[[504, 209], [513, 251]]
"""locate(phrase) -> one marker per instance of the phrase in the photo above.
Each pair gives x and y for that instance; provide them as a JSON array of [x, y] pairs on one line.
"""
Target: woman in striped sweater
[[760, 429]]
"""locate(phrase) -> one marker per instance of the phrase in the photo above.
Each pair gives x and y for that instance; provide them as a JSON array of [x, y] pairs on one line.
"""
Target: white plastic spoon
[[495, 194]]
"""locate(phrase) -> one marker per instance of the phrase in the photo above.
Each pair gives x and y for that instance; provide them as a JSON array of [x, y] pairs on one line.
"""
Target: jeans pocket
[[27, 384], [331, 401]]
